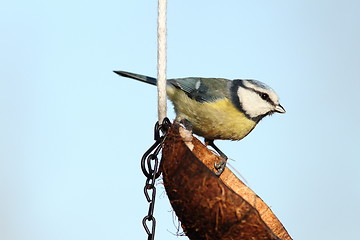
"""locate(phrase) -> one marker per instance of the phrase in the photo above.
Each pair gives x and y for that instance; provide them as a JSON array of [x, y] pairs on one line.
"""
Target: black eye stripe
[[265, 97]]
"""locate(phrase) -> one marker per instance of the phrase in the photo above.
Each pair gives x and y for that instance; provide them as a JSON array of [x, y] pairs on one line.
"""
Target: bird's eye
[[264, 96]]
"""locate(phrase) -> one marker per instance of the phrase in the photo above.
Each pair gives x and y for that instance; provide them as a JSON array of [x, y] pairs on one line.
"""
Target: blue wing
[[199, 89], [203, 89]]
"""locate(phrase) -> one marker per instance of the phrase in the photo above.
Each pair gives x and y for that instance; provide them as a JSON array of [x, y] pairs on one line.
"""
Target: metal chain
[[151, 168]]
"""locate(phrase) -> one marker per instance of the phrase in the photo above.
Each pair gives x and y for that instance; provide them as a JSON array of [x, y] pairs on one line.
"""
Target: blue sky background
[[72, 132]]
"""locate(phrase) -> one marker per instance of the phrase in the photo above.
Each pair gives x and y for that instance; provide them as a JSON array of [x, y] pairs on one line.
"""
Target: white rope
[[161, 67]]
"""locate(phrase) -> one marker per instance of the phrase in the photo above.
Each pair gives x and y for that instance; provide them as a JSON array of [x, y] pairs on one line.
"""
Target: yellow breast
[[212, 120]]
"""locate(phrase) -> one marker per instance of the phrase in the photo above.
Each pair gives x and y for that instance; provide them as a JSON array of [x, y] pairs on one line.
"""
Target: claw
[[220, 167], [186, 124]]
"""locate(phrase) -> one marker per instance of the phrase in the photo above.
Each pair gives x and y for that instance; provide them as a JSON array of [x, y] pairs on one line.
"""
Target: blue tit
[[218, 108]]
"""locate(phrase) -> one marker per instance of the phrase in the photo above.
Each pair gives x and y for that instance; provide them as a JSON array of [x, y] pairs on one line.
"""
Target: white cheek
[[252, 103]]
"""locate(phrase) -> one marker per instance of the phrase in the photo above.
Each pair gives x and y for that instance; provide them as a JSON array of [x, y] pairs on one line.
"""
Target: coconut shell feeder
[[211, 207]]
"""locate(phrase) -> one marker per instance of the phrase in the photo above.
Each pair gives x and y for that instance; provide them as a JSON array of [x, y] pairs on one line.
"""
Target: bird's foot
[[186, 124], [219, 166]]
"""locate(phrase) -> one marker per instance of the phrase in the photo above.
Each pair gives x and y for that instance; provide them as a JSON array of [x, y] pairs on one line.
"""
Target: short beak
[[279, 109]]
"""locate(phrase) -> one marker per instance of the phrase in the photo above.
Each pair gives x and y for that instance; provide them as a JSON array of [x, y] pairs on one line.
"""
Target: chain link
[[150, 166]]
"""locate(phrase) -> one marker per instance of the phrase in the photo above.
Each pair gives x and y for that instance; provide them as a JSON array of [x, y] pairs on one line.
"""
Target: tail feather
[[138, 77]]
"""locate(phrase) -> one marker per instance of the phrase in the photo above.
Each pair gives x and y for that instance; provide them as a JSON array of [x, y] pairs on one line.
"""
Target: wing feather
[[203, 89]]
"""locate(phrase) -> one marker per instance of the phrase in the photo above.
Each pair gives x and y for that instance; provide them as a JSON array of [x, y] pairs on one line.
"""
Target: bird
[[218, 108]]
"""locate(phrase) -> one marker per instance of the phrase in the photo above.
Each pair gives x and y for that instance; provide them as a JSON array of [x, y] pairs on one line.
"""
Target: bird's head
[[255, 99]]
